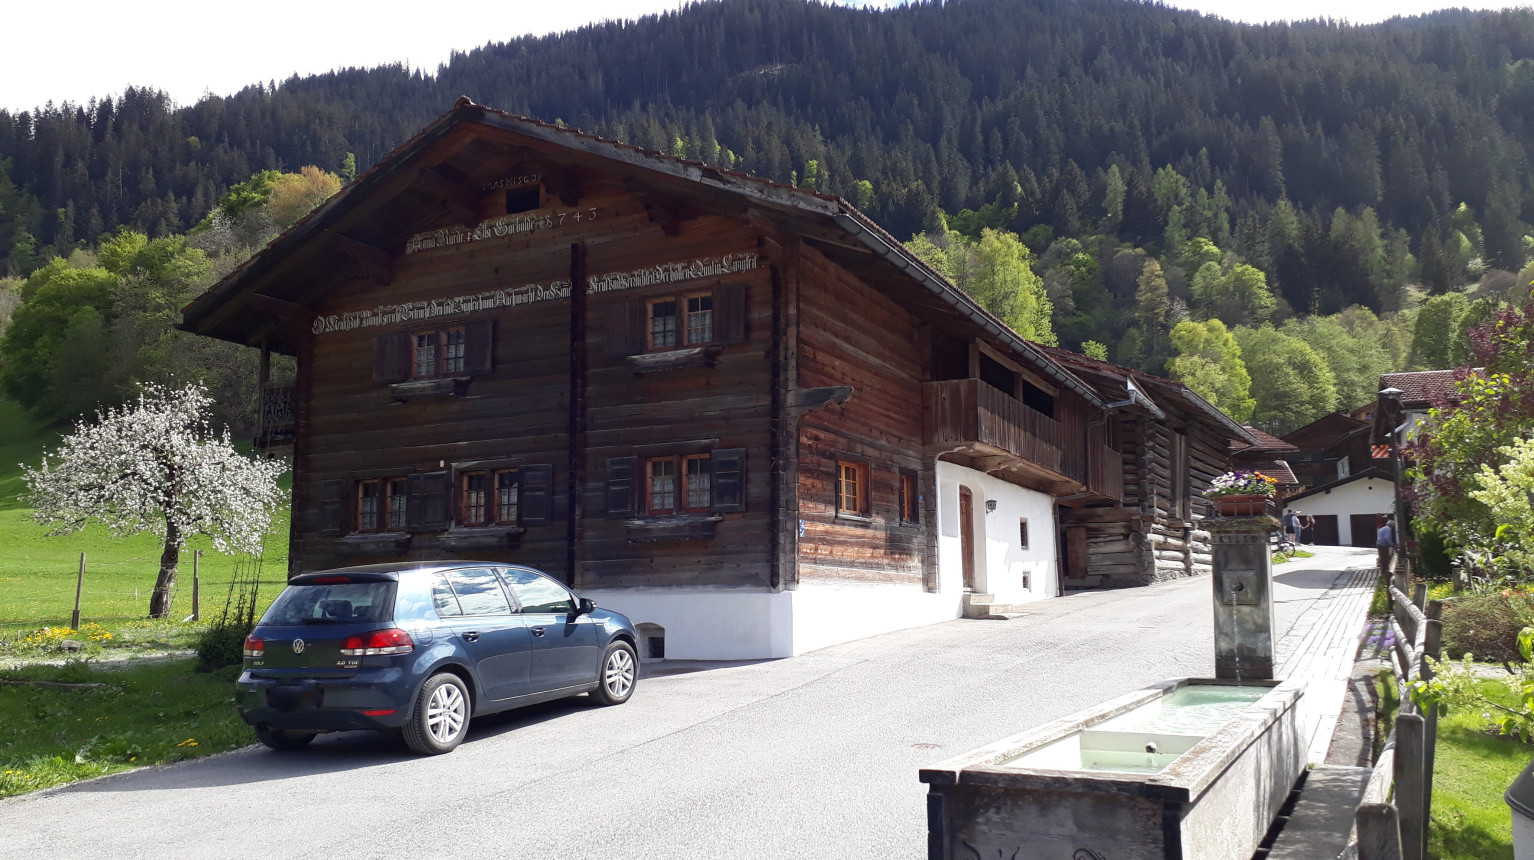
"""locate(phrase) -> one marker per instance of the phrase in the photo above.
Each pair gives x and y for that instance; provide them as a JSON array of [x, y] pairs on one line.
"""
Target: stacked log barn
[[737, 411]]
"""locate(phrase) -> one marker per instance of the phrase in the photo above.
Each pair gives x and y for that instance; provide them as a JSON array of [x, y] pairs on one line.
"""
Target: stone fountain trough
[[1189, 769]]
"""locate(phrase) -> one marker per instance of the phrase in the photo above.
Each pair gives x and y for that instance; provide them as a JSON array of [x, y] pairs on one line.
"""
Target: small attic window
[[523, 199]]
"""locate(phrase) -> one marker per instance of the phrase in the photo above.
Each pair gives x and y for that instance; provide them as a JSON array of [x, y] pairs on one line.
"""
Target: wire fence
[[49, 600]]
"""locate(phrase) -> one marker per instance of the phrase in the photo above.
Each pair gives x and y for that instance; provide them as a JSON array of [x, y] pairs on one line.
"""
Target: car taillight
[[254, 647], [391, 641]]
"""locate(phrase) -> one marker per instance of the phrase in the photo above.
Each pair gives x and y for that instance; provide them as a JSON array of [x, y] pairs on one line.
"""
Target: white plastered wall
[[1363, 496], [1002, 565], [726, 624]]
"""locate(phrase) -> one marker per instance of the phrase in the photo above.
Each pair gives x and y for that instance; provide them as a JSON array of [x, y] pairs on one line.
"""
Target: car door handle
[[538, 631], [471, 636]]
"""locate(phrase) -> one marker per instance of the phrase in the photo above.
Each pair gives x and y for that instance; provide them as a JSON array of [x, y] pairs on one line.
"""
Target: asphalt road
[[813, 757]]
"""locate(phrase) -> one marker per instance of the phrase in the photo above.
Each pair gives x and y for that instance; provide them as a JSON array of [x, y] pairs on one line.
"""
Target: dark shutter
[[332, 514], [620, 486], [730, 313], [426, 507], [391, 357], [537, 501], [479, 347], [625, 328], [729, 488]]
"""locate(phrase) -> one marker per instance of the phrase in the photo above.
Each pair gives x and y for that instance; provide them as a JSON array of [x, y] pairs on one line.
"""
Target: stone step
[[972, 598]]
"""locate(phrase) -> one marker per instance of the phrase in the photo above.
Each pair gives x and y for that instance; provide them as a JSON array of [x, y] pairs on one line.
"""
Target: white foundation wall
[[1363, 496], [1002, 564], [704, 624]]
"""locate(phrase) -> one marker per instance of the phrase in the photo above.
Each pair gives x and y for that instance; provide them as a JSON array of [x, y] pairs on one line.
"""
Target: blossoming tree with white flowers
[[157, 466]]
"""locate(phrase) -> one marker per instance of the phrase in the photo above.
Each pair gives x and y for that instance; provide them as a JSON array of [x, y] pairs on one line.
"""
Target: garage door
[[1364, 527], [1324, 532]]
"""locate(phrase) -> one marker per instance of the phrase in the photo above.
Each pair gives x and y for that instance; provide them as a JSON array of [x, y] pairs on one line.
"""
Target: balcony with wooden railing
[[969, 414], [277, 421], [970, 417]]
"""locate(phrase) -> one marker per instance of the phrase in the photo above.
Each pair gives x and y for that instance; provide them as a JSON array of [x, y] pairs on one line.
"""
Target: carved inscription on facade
[[496, 228], [410, 312]]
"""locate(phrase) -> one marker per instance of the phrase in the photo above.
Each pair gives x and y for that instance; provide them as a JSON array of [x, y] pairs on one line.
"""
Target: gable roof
[[1266, 442], [1324, 431], [406, 186], [1370, 473], [1422, 387], [1278, 469], [1113, 381]]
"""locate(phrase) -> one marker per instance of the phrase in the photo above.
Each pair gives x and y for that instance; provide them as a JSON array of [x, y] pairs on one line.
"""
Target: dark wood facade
[[485, 370]]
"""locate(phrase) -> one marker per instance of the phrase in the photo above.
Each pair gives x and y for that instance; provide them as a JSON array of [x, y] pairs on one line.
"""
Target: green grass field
[[72, 722], [1472, 770], [38, 572]]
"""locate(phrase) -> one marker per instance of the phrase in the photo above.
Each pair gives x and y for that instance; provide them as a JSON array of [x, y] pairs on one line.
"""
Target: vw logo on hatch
[[298, 646]]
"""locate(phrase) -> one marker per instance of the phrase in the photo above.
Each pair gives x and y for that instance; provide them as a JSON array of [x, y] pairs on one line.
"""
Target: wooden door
[[1324, 532], [1364, 527], [967, 536]]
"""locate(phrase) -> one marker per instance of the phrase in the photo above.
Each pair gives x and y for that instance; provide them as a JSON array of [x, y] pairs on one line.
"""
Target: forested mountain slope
[[1341, 164]]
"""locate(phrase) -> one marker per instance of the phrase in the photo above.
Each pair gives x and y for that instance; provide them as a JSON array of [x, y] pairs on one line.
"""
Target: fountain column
[[1243, 596]]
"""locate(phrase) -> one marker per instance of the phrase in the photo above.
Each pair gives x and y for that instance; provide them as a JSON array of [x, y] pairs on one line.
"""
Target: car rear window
[[332, 603]]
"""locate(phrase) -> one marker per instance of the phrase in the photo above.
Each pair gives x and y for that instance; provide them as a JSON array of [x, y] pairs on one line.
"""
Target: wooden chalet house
[[737, 411]]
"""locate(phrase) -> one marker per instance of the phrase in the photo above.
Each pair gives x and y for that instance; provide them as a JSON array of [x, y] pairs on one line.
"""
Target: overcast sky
[[84, 48]]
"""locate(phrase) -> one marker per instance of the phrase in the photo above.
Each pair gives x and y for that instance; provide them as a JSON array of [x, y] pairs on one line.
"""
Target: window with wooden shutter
[[537, 495], [730, 313], [391, 357], [910, 507], [626, 321], [729, 480], [332, 507], [479, 354], [620, 486], [427, 509]]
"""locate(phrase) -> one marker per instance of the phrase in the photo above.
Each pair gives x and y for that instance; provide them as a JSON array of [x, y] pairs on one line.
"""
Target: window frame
[[485, 493], [379, 512], [1022, 532], [910, 498], [496, 506], [682, 495], [681, 332], [396, 488], [440, 344], [860, 495]]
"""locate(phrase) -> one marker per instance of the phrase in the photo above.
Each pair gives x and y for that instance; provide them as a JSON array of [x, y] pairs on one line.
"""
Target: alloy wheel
[[618, 675], [445, 713]]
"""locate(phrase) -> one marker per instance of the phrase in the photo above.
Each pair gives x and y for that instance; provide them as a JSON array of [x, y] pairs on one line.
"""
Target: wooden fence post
[[1379, 832], [1409, 799], [196, 587], [74, 617], [1432, 644]]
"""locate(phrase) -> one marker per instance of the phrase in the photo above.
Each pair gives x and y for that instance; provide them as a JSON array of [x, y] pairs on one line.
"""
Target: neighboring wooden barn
[[737, 411], [1173, 443]]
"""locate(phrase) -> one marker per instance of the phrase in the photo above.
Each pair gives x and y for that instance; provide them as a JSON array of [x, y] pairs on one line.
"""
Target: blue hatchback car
[[421, 648]]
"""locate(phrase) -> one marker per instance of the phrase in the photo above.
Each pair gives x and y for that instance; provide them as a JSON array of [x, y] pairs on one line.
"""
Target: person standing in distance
[[1292, 526], [1385, 541]]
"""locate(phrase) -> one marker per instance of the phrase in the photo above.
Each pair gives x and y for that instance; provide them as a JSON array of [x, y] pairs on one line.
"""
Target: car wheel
[[620, 671], [278, 739], [440, 718]]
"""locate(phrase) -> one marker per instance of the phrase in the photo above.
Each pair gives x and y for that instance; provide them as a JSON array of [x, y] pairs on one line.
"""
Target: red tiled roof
[[1421, 387], [1265, 442]]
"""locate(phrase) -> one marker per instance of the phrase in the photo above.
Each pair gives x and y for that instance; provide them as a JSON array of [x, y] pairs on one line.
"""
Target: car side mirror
[[586, 607]]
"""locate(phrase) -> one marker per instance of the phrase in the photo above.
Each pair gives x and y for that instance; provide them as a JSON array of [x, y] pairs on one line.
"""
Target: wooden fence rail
[[1392, 821]]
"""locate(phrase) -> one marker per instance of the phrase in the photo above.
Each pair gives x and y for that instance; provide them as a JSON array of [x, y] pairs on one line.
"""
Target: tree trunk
[[165, 585]]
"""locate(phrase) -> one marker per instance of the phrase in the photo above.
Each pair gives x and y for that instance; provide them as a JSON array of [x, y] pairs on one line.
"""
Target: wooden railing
[[969, 412], [1106, 473], [277, 419], [1398, 830]]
